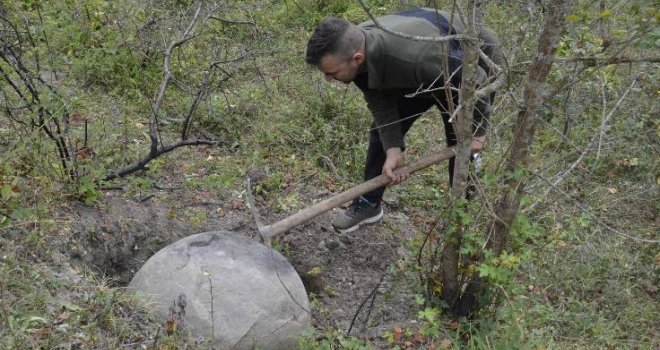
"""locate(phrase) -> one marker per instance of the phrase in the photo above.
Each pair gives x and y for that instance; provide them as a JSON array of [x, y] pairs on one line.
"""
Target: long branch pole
[[269, 231]]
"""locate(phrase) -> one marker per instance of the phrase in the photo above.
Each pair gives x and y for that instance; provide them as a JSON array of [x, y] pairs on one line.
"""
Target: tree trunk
[[508, 205], [463, 130]]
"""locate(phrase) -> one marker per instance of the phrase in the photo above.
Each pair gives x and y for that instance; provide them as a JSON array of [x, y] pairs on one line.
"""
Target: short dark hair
[[326, 39]]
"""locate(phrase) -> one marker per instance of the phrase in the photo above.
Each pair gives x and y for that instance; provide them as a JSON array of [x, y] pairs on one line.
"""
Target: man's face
[[336, 68]]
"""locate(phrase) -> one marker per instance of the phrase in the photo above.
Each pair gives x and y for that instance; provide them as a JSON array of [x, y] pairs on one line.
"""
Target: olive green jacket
[[398, 66]]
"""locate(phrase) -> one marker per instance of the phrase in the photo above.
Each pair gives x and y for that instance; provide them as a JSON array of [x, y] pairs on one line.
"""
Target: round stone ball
[[232, 291]]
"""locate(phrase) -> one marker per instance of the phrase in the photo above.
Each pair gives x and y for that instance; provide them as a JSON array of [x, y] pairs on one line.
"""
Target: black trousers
[[407, 107]]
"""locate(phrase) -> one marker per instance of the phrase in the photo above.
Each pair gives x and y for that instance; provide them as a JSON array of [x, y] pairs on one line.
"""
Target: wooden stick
[[269, 231]]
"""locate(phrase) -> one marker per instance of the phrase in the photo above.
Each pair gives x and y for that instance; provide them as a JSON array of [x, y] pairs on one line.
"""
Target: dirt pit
[[346, 275]]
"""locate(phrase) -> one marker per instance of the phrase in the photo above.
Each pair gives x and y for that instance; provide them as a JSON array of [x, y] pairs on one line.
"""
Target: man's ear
[[358, 57]]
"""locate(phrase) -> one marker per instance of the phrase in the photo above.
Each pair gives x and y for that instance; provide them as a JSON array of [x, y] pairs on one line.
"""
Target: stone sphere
[[226, 288]]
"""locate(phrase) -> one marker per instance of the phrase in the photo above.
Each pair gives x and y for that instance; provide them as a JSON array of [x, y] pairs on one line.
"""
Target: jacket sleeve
[[385, 112], [481, 116]]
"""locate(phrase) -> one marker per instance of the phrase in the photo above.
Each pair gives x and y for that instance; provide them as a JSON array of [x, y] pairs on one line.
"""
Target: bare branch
[[232, 21], [167, 76], [599, 221], [142, 162], [33, 85], [412, 37], [201, 91], [561, 177], [487, 89], [445, 87], [604, 61]]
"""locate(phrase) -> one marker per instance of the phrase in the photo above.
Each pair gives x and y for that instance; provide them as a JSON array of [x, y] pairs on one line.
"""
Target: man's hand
[[478, 143], [394, 159]]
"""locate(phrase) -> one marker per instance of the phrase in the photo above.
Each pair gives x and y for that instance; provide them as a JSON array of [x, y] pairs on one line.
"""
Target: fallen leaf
[[612, 190], [418, 338], [651, 290], [396, 333], [445, 344], [170, 326], [63, 317]]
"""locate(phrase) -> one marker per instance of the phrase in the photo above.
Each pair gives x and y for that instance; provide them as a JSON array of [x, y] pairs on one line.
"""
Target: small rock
[[332, 245], [62, 328], [338, 313], [345, 239]]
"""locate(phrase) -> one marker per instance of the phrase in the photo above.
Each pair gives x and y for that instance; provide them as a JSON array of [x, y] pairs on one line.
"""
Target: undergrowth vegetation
[[581, 265]]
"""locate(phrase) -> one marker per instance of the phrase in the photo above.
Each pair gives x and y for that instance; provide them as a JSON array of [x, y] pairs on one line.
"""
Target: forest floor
[[79, 261], [359, 288]]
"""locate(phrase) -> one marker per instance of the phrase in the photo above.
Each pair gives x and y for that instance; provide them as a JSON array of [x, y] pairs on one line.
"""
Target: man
[[401, 78]]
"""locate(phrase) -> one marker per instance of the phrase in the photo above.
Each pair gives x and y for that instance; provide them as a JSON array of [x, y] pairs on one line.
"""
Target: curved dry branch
[[605, 61], [142, 162], [167, 77], [412, 37], [233, 21]]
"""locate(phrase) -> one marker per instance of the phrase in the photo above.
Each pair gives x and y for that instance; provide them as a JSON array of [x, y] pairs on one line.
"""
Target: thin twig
[[412, 37], [604, 61], [156, 338], [232, 21], [394, 122], [565, 173], [597, 220], [371, 295], [603, 120], [212, 314]]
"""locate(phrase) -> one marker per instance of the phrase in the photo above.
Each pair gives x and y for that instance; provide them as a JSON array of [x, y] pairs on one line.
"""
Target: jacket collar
[[375, 59]]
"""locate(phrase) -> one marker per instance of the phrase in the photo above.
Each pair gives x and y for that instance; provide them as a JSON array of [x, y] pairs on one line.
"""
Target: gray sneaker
[[358, 213]]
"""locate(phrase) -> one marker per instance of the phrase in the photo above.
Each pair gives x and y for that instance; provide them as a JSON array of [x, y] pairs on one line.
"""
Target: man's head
[[336, 48]]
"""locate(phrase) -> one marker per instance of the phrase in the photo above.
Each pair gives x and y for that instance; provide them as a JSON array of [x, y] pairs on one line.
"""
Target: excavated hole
[[118, 239]]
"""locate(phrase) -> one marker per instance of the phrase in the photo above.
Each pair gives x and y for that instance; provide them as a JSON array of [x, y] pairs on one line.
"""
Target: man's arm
[[480, 119], [385, 112]]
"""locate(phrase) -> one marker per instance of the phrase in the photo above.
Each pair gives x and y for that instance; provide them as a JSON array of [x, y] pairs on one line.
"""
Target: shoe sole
[[371, 220]]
